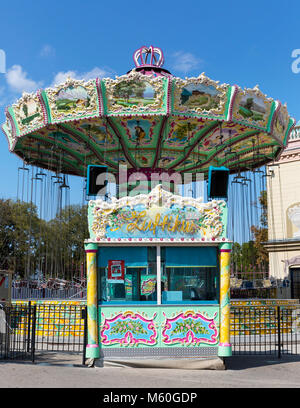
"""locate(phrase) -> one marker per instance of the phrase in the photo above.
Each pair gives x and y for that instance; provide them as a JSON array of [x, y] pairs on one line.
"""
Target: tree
[[243, 258], [64, 242], [19, 235], [29, 244], [260, 233], [127, 89]]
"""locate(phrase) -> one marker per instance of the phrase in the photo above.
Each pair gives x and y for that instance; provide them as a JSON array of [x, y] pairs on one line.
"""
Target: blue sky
[[244, 43]]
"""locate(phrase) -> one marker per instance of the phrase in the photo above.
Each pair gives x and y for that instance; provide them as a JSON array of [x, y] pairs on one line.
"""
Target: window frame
[[160, 271]]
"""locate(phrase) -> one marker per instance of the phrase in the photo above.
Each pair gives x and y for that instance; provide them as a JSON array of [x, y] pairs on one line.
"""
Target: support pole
[[92, 348], [158, 278], [224, 349]]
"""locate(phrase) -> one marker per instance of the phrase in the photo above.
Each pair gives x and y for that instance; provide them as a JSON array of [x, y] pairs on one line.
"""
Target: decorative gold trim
[[284, 115], [77, 110], [203, 80], [156, 83], [256, 92], [101, 210], [21, 113]]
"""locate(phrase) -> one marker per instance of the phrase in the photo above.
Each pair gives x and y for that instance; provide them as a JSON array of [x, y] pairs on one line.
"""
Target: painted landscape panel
[[252, 107], [72, 98], [133, 93], [201, 96]]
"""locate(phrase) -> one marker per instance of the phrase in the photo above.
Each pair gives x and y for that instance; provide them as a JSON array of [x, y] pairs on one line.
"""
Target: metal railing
[[265, 330], [60, 327], [26, 329], [17, 332], [45, 293]]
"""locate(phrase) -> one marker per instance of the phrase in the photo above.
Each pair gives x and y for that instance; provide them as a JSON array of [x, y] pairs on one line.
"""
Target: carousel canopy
[[149, 120]]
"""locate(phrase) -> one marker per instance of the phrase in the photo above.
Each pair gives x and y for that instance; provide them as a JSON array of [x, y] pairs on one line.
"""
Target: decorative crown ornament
[[148, 56]]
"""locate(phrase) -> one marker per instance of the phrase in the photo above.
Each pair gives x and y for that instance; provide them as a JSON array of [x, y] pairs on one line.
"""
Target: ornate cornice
[[282, 245]]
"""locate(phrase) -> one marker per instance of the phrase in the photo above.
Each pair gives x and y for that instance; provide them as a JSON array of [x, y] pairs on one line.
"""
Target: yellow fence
[[55, 318], [60, 318]]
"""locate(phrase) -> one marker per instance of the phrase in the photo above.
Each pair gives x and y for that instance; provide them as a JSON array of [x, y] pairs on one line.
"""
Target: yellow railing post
[[225, 349], [92, 348]]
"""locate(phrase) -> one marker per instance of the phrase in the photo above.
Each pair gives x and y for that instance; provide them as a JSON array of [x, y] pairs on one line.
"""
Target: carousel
[[158, 260]]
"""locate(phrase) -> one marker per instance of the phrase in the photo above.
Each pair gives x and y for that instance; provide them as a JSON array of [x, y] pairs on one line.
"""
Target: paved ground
[[59, 370]]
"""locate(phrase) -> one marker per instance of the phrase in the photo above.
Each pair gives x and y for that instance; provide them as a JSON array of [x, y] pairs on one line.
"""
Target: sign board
[[116, 271], [159, 214]]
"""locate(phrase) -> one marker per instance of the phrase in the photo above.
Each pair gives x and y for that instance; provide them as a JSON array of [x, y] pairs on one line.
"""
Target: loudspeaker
[[218, 182], [92, 187]]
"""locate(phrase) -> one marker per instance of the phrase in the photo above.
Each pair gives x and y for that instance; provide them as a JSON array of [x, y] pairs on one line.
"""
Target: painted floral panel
[[190, 328], [129, 329]]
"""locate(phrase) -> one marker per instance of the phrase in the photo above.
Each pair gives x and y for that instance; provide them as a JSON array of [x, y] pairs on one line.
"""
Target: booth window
[[191, 274], [136, 281]]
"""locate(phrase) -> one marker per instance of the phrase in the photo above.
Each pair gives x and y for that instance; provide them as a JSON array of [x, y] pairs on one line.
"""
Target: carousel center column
[[92, 348], [225, 349]]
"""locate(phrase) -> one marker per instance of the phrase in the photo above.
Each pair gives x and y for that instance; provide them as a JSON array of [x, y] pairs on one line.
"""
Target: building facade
[[283, 188]]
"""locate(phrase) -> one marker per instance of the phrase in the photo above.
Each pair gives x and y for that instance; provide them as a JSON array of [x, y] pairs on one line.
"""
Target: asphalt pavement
[[65, 371]]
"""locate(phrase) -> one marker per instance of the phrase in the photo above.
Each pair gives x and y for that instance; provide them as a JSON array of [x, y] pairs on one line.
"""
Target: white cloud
[[185, 61], [47, 51], [61, 77], [18, 81], [97, 72]]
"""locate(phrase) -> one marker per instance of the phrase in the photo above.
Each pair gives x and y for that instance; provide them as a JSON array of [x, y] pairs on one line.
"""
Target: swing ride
[[148, 120], [158, 264]]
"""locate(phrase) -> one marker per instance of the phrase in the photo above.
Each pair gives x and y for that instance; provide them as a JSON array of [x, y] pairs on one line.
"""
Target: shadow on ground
[[236, 363], [58, 358], [242, 362]]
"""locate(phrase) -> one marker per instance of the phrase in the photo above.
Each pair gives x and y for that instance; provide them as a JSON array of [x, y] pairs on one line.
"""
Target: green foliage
[[260, 233], [253, 253], [182, 327], [122, 327], [244, 256], [29, 244], [64, 237], [19, 233], [128, 89]]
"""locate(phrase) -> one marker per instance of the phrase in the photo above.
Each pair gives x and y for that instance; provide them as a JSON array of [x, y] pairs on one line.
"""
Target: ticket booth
[[158, 278]]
